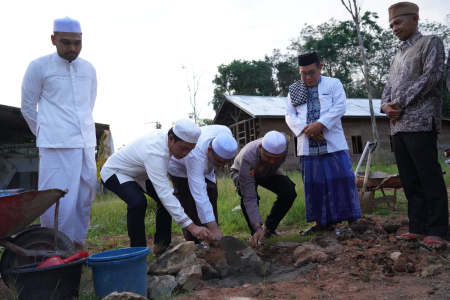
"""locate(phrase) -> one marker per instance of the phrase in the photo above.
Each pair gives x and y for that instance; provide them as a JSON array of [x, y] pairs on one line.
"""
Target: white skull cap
[[224, 145], [274, 142], [66, 25], [187, 130]]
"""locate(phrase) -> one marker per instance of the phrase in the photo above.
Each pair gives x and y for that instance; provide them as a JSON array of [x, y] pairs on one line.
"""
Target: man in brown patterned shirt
[[412, 99]]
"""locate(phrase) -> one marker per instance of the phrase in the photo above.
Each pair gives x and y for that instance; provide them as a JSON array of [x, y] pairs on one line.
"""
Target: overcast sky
[[139, 47]]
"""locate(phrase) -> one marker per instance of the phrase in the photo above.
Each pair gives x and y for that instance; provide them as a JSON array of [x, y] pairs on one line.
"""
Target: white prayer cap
[[187, 130], [66, 25], [224, 145], [274, 142]]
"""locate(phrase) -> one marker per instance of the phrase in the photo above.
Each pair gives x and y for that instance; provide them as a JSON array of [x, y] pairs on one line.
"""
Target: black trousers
[[183, 193], [134, 197], [416, 154], [284, 188]]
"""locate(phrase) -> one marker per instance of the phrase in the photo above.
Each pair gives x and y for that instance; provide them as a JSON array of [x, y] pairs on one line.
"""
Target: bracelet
[[257, 227]]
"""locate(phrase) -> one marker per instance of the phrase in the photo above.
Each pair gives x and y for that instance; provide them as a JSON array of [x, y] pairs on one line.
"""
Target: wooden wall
[[279, 124]]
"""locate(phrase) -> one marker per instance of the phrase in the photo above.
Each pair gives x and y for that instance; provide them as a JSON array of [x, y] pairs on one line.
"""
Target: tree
[[338, 47], [355, 13], [243, 77], [285, 68], [193, 89]]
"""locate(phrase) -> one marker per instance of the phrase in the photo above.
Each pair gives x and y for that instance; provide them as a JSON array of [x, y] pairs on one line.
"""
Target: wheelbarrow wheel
[[41, 238]]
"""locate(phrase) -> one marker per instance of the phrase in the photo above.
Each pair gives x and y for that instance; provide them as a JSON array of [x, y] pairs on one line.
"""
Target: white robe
[[333, 104], [196, 167], [147, 158], [65, 134]]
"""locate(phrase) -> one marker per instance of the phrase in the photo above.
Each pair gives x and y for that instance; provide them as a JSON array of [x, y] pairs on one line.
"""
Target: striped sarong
[[331, 195]]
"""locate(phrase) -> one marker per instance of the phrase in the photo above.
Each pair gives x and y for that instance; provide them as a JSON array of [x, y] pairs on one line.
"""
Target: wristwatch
[[257, 227]]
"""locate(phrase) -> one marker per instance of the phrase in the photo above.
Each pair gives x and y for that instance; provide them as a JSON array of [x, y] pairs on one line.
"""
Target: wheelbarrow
[[33, 244], [368, 183]]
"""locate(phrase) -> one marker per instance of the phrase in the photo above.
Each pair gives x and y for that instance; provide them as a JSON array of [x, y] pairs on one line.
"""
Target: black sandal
[[309, 231]]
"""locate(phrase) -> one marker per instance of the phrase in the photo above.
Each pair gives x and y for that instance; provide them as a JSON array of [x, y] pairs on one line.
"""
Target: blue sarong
[[331, 195]]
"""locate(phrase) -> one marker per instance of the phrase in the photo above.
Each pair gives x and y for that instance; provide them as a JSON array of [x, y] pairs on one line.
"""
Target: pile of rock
[[181, 267]]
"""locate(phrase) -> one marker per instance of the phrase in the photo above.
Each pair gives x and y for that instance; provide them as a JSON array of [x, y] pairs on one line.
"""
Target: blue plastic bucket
[[121, 270]]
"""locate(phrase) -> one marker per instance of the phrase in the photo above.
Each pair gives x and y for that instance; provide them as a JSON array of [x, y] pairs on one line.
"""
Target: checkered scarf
[[298, 93]]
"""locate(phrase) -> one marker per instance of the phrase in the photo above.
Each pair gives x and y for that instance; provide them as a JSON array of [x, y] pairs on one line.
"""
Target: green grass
[[108, 214]]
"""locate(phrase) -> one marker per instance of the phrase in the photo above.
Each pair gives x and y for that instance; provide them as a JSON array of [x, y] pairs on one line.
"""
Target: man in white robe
[[194, 180], [141, 167], [64, 87]]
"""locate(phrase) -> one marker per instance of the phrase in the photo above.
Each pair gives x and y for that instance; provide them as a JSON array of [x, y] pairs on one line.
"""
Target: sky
[[139, 47]]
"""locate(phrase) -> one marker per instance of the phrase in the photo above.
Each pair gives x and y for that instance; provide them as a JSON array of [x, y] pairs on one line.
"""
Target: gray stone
[[395, 255], [174, 259], [200, 252], [433, 270], [161, 286], [189, 277], [223, 269], [124, 296], [208, 272], [230, 243], [263, 269], [251, 261], [250, 258], [233, 259], [314, 256]]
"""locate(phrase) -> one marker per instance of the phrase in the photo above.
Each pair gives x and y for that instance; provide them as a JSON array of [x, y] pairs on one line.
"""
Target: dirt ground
[[361, 269], [354, 264]]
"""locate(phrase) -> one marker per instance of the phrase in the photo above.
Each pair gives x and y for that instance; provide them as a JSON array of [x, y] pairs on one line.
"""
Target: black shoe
[[269, 234]]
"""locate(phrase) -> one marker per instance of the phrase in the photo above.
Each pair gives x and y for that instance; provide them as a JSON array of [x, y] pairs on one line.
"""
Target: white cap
[[274, 142], [66, 25], [187, 130], [224, 145]]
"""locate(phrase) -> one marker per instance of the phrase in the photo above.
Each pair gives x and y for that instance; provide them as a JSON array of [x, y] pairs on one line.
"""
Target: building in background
[[250, 117]]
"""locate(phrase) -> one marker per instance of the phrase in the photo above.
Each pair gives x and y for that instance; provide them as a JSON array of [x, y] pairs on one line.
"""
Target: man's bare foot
[[434, 242], [410, 236]]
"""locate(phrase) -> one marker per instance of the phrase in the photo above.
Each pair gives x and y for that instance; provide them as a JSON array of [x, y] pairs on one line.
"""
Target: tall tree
[[355, 13]]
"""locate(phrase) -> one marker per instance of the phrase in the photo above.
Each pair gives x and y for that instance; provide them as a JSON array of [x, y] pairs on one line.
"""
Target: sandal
[[409, 237], [309, 231], [427, 242]]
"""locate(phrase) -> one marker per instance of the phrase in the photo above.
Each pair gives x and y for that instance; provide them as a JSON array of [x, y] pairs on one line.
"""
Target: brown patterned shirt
[[415, 84]]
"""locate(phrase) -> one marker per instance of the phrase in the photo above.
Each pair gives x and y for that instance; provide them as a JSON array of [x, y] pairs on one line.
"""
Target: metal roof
[[260, 106]]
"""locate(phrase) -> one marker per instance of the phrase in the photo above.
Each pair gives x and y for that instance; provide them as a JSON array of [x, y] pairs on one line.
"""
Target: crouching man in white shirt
[[141, 167], [194, 181]]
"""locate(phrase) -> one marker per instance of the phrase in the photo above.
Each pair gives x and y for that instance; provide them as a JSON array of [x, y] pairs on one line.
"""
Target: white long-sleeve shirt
[[65, 93], [333, 104], [196, 167], [147, 158]]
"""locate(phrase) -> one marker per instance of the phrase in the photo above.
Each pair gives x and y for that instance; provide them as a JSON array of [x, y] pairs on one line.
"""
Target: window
[[357, 144]]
